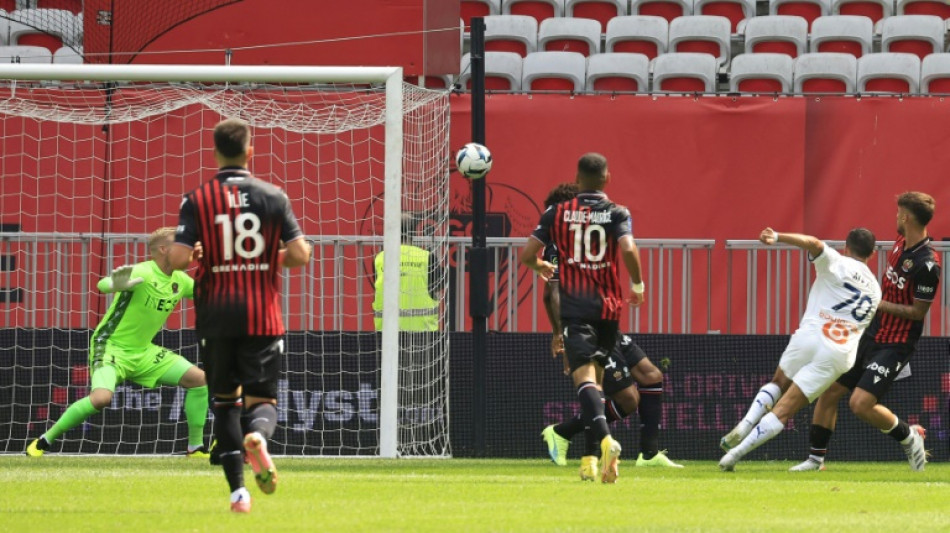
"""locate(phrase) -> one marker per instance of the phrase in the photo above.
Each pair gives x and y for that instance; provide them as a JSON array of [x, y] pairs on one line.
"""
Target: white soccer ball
[[474, 161]]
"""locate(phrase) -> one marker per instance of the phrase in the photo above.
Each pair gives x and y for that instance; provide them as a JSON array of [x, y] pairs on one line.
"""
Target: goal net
[[90, 168]]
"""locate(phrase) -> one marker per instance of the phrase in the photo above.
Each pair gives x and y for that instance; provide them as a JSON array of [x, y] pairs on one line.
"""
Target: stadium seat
[[935, 74], [734, 10], [502, 71], [25, 54], [600, 10], [685, 72], [847, 34], [888, 73], [511, 33], [469, 9], [668, 9], [638, 34], [807, 9], [569, 35], [51, 28], [825, 73], [780, 34], [761, 73], [939, 8], [872, 9], [538, 9], [913, 34], [68, 55], [554, 71], [701, 34], [618, 72]]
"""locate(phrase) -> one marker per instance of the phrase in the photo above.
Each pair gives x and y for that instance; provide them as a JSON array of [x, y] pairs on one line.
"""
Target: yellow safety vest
[[417, 310]]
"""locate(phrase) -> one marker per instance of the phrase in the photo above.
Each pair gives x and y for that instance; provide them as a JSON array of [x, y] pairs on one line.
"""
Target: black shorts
[[617, 372], [876, 366], [588, 341], [252, 363]]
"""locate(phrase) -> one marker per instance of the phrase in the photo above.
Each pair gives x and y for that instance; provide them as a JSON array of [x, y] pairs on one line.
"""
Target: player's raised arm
[[631, 260], [812, 245], [120, 280]]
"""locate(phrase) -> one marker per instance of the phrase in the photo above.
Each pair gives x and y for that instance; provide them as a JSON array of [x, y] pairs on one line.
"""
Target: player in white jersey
[[841, 304]]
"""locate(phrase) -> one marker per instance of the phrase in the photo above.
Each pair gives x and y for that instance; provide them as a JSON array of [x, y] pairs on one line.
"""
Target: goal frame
[[392, 77]]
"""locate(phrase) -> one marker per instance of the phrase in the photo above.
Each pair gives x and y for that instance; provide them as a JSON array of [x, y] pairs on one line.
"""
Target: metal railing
[[777, 280], [58, 272]]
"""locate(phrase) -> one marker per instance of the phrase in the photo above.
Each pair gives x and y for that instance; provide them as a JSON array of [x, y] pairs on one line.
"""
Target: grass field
[[74, 494]]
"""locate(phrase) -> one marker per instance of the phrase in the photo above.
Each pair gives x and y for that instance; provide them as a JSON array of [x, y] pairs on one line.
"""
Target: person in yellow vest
[[419, 288]]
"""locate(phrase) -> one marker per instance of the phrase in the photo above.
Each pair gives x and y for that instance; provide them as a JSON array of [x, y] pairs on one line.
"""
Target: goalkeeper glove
[[122, 280]]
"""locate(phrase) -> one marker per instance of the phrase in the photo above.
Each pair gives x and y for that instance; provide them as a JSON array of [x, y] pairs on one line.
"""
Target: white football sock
[[765, 430], [763, 402], [240, 494]]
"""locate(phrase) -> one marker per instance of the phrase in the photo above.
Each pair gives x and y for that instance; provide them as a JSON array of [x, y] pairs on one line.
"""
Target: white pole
[[392, 227]]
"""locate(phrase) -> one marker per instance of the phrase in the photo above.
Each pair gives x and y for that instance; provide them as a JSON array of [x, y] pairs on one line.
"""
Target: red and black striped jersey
[[912, 274], [585, 231], [240, 222]]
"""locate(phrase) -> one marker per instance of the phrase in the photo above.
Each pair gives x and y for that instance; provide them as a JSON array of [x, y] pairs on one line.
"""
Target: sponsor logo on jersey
[[926, 290], [880, 369], [894, 278], [907, 265]]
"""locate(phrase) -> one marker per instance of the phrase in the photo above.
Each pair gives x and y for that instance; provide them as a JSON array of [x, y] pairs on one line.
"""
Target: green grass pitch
[[138, 495]]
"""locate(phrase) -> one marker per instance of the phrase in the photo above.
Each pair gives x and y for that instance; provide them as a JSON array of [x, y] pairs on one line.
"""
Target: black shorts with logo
[[589, 341], [617, 372], [252, 363], [876, 366]]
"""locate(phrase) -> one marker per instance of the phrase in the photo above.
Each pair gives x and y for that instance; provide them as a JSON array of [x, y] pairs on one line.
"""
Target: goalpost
[[90, 167]]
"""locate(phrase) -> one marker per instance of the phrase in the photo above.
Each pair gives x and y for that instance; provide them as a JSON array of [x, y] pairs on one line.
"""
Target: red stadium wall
[[709, 168], [718, 168], [422, 36]]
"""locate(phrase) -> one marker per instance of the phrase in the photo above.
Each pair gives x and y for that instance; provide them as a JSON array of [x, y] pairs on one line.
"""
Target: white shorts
[[812, 364]]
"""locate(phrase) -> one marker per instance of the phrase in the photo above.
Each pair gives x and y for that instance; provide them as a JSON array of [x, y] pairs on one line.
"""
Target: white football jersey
[[843, 299]]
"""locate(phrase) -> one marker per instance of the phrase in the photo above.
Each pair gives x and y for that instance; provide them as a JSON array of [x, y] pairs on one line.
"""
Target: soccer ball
[[474, 161]]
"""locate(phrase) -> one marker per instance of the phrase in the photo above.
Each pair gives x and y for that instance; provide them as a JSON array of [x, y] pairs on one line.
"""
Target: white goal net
[[89, 168]]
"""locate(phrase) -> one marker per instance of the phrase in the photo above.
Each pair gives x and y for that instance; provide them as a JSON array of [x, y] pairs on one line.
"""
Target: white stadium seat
[[825, 73], [847, 34], [701, 34], [888, 73], [511, 33], [685, 72], [502, 71], [569, 35], [781, 34], [761, 73], [554, 71], [638, 34], [618, 72]]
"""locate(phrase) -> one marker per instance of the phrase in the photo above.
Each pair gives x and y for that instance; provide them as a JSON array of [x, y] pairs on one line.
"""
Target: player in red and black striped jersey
[[590, 232], [631, 381], [242, 223], [909, 286]]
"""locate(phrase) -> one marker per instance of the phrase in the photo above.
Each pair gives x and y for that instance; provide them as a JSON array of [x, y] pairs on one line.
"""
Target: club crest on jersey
[[907, 265], [175, 288], [618, 375]]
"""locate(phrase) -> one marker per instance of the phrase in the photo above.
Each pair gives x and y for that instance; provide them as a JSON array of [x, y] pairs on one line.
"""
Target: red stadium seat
[[776, 34], [638, 34], [872, 9], [734, 10], [848, 34], [807, 9], [668, 9], [600, 10]]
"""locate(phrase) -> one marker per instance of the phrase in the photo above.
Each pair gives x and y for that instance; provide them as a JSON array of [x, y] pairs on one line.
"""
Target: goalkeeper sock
[[74, 415], [227, 428], [261, 418], [196, 413]]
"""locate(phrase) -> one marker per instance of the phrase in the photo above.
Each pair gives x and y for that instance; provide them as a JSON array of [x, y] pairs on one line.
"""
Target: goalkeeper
[[121, 348]]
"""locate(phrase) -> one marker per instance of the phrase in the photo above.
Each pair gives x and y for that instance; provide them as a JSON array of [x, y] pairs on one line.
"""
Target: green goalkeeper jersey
[[136, 315]]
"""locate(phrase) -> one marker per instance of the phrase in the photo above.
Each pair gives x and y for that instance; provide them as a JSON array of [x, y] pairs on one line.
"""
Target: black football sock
[[820, 437], [592, 409], [900, 431], [569, 428], [651, 411], [227, 427], [262, 418]]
